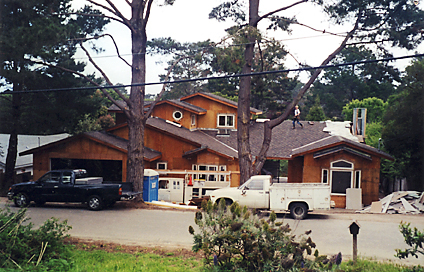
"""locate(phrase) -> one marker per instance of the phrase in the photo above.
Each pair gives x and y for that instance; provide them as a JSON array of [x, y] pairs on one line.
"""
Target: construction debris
[[404, 202]]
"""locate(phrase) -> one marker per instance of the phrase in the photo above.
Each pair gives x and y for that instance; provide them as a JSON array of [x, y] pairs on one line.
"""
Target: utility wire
[[217, 77]]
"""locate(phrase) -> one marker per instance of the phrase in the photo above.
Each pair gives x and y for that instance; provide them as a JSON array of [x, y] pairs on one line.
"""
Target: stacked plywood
[[410, 202]]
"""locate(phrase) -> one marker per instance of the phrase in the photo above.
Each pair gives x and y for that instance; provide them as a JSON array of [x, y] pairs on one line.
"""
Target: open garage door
[[110, 170]]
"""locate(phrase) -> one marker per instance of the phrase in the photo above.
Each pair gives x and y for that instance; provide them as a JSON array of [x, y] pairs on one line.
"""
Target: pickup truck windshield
[[52, 177], [256, 184]]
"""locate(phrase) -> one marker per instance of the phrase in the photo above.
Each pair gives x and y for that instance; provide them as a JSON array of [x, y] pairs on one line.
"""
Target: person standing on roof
[[296, 117]]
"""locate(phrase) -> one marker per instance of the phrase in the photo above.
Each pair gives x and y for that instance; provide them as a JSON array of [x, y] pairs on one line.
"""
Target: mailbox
[[354, 228]]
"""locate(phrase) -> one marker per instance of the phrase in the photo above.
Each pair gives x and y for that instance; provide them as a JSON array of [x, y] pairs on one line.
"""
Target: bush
[[413, 238], [235, 239], [26, 249]]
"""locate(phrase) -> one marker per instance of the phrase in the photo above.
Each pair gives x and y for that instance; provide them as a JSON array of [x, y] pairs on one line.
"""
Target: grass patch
[[99, 256], [371, 266], [102, 261]]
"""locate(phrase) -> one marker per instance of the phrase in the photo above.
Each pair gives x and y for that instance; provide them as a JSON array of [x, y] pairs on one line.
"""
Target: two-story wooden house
[[194, 138]]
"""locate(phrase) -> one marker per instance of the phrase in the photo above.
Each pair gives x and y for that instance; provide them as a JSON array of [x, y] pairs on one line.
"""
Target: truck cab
[[254, 193]]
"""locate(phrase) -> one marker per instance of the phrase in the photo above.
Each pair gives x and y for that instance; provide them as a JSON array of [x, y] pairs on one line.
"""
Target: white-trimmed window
[[162, 165], [324, 176], [193, 119], [177, 115], [341, 177], [207, 176], [357, 183], [225, 120], [222, 177]]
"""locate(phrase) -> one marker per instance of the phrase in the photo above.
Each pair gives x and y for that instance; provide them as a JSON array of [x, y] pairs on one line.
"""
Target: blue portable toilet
[[150, 185]]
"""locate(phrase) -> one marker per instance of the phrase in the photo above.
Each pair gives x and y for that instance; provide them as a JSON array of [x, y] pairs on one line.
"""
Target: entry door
[[340, 181]]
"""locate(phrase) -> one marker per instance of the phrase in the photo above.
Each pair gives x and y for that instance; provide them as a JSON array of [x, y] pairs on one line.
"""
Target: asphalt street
[[378, 236]]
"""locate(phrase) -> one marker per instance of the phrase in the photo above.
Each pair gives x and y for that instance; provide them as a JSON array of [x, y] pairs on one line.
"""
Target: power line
[[218, 77], [212, 46]]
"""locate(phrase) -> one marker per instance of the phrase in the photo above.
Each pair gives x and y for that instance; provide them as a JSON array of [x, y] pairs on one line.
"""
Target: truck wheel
[[228, 202], [94, 203], [21, 200], [298, 211]]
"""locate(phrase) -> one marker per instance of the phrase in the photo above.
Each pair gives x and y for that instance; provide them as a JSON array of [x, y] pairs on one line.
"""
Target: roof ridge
[[224, 144], [317, 141]]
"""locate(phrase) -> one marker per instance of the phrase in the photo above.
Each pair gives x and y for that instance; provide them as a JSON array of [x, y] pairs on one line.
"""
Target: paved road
[[378, 237]]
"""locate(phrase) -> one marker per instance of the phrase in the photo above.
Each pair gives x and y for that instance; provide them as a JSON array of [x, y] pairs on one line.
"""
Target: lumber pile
[[404, 202]]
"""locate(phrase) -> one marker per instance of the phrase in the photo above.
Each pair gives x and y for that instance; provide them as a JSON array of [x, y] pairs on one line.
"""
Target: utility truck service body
[[260, 193]]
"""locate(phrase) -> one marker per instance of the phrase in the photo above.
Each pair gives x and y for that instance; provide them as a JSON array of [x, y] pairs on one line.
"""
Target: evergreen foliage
[[342, 85], [26, 249], [404, 126], [316, 112]]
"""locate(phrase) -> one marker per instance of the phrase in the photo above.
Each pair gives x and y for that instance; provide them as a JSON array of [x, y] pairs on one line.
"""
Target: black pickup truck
[[67, 186]]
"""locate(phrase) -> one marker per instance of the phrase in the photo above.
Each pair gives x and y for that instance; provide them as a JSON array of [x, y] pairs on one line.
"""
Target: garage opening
[[110, 170]]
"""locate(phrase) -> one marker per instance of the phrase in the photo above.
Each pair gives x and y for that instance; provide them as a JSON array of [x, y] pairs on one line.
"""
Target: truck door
[[67, 191], [47, 187], [254, 195]]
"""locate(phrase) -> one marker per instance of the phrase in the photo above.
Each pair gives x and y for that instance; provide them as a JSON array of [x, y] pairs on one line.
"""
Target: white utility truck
[[260, 193]]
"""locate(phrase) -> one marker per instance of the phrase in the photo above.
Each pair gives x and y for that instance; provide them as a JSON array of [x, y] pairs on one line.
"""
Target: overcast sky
[[187, 21]]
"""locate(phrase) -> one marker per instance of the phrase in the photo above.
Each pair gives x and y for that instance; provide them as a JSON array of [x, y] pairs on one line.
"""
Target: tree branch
[[159, 96], [269, 125], [281, 9], [114, 10], [104, 76], [83, 76], [100, 36], [147, 16], [92, 15]]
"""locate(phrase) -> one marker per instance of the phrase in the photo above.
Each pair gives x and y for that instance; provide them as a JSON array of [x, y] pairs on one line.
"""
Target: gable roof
[[287, 142], [327, 143], [197, 137], [101, 137], [26, 142], [183, 105], [219, 99]]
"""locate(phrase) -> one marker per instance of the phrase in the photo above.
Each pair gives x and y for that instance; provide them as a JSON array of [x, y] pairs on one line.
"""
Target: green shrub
[[413, 238], [234, 239], [24, 248]]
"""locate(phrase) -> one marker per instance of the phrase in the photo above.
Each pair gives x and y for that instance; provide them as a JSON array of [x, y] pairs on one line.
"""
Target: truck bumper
[[10, 195], [129, 195]]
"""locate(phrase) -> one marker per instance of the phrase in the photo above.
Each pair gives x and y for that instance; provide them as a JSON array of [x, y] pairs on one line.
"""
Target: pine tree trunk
[[12, 150], [136, 118], [243, 111]]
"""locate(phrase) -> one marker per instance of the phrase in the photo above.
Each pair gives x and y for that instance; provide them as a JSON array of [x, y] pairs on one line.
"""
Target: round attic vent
[[177, 115]]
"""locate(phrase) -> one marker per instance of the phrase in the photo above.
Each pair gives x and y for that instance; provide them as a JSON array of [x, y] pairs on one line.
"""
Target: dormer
[[221, 112], [179, 112]]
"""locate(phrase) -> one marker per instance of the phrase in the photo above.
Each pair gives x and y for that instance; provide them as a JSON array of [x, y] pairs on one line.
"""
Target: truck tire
[[298, 211], [94, 203], [21, 200]]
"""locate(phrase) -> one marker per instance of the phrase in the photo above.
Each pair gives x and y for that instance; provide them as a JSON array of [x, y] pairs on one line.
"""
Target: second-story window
[[226, 120], [177, 115], [193, 120]]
